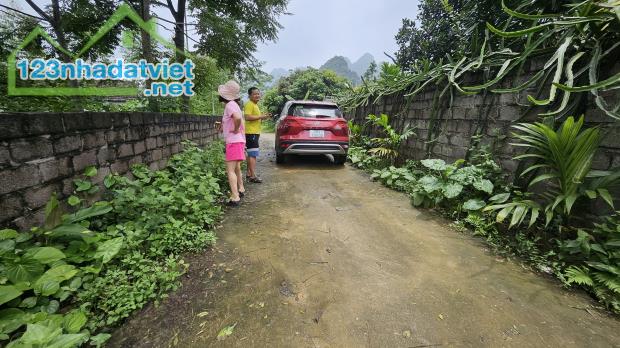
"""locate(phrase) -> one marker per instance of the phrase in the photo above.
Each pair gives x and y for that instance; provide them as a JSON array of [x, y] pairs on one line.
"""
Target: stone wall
[[449, 132], [41, 153]]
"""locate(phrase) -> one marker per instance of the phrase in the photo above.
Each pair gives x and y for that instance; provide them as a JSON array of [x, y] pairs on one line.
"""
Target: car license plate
[[317, 133]]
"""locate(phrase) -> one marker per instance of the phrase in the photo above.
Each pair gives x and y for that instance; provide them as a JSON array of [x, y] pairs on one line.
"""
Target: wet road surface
[[319, 256]]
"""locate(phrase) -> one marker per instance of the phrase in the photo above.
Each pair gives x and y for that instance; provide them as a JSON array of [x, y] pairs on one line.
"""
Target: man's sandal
[[255, 179]]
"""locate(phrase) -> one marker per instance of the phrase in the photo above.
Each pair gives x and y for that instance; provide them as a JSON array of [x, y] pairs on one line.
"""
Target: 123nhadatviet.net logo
[[169, 79]]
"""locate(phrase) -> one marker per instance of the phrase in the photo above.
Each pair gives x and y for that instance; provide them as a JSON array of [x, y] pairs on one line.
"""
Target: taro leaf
[[90, 171], [7, 234], [430, 183], [484, 185], [40, 334], [225, 332], [452, 190], [12, 319], [24, 271], [474, 204], [44, 255], [74, 321], [67, 340], [434, 164], [100, 339], [8, 292], [108, 249]]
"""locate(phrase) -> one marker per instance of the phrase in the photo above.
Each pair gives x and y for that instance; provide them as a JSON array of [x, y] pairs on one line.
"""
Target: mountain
[[361, 65], [340, 66], [277, 74]]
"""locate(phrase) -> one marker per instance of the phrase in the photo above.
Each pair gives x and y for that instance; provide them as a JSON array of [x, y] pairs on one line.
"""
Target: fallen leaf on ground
[[407, 333], [202, 314], [225, 332], [440, 316]]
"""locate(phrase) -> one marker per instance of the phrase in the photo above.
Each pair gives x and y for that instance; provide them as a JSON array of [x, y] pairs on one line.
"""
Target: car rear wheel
[[280, 158], [340, 159]]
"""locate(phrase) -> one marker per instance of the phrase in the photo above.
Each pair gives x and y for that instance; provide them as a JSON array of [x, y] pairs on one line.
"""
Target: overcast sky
[[319, 29]]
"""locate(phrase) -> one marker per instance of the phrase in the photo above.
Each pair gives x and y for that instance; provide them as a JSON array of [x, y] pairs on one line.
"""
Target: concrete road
[[320, 256]]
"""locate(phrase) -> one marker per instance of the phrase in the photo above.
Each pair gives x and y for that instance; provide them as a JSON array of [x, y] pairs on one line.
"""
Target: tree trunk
[[147, 51], [179, 43]]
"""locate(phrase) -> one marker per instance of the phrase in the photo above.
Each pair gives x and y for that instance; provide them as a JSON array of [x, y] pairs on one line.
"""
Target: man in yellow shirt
[[253, 118]]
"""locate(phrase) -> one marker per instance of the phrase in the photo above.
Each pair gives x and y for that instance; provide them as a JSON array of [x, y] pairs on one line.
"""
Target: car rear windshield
[[315, 111]]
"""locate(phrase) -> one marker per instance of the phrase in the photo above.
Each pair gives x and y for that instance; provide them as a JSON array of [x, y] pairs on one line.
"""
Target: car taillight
[[341, 128], [290, 126]]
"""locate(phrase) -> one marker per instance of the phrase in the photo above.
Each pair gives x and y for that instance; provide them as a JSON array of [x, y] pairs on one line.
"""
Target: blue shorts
[[251, 144]]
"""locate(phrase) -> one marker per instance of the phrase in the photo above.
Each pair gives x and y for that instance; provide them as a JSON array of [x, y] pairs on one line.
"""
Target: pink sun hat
[[229, 90]]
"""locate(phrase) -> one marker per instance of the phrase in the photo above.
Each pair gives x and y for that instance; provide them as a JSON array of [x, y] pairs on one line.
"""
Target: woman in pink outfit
[[234, 133]]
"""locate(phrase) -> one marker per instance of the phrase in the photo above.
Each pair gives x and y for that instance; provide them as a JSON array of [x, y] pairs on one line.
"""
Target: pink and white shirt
[[228, 124]]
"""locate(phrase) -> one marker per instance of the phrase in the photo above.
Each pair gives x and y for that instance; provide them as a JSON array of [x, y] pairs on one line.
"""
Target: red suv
[[312, 128]]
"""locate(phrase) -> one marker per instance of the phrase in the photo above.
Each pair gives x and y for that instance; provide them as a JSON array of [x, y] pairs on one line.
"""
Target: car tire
[[340, 159], [279, 158]]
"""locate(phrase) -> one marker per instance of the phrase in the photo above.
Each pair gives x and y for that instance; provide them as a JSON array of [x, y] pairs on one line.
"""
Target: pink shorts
[[235, 152]]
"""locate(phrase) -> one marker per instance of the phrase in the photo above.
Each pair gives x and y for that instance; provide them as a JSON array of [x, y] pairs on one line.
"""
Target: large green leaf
[[44, 255], [7, 246], [40, 334], [74, 321], [8, 292], [484, 185], [7, 234], [434, 164], [452, 190], [50, 281], [71, 231], [474, 204], [430, 183], [108, 249], [97, 209], [67, 340], [24, 271], [12, 319]]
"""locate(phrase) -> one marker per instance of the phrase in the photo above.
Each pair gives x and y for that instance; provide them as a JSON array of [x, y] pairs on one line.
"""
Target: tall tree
[[445, 27], [230, 30], [72, 23]]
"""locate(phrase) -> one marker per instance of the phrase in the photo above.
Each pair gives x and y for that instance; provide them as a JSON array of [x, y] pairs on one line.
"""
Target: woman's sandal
[[241, 194], [232, 203]]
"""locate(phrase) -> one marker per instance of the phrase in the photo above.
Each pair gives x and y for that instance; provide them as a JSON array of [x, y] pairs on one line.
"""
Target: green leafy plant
[[387, 147], [443, 183], [595, 259], [93, 266], [564, 159], [399, 179], [360, 158]]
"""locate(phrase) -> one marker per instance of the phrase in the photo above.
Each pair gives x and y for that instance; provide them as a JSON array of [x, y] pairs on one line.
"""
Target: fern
[[579, 276], [610, 281]]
